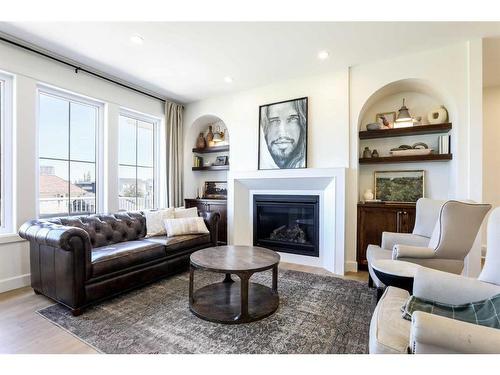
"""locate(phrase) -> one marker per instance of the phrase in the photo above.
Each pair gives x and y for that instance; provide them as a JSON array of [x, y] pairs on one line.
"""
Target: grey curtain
[[173, 120]]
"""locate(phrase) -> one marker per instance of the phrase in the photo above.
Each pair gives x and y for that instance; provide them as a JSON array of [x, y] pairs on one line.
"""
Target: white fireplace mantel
[[328, 183]]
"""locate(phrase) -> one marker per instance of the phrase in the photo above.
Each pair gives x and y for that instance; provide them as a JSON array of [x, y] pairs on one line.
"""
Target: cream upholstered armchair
[[443, 235], [428, 333]]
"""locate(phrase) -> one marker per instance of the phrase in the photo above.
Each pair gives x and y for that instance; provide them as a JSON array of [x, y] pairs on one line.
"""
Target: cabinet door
[[372, 221], [406, 220], [222, 210]]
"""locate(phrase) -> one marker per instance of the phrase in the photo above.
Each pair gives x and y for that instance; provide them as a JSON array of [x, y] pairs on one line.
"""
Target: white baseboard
[[351, 266], [14, 282]]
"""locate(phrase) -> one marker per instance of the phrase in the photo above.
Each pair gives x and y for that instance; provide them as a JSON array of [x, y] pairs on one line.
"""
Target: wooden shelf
[[212, 168], [406, 159], [209, 150], [413, 130]]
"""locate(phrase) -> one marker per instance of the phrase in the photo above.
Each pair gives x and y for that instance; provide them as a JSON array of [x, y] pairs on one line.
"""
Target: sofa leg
[[36, 292], [370, 281], [76, 312]]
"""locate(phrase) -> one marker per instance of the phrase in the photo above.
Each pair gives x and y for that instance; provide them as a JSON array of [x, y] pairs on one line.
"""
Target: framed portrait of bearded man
[[283, 135]]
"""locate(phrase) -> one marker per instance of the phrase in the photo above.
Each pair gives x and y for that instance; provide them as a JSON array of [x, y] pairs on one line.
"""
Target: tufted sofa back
[[109, 229]]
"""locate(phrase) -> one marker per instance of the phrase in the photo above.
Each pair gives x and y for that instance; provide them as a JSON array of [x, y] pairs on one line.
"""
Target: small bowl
[[373, 126]]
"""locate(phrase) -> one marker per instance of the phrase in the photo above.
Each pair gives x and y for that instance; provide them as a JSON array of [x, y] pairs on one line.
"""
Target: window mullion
[[69, 158]]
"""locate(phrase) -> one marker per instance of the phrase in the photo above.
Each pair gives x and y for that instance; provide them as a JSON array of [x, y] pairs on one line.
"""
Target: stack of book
[[444, 144], [197, 161]]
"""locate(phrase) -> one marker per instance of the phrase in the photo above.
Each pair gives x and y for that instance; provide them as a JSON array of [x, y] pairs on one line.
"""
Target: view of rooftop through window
[[136, 164], [67, 156]]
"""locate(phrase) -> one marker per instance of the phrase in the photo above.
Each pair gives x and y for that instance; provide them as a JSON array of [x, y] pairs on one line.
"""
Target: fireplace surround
[[287, 223]]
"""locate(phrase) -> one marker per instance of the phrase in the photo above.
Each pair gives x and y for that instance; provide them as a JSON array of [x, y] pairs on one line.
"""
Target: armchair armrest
[[55, 235], [449, 288], [437, 334], [212, 222], [389, 239], [404, 251]]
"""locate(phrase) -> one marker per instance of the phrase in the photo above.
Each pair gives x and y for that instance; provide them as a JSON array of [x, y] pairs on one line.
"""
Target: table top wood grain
[[235, 258]]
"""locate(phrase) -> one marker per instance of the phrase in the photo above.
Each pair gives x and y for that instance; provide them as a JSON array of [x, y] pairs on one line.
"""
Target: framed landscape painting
[[283, 135], [399, 186]]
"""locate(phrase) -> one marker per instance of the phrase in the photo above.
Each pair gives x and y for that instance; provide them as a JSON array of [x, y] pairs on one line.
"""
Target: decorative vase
[[200, 141], [368, 195], [367, 153], [438, 115], [375, 154], [210, 135]]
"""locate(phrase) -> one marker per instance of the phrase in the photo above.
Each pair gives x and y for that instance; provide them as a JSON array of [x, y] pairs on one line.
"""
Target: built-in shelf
[[401, 132], [208, 150], [406, 159], [212, 168]]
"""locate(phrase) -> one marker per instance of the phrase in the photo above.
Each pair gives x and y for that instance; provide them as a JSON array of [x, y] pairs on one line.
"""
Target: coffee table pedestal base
[[222, 303]]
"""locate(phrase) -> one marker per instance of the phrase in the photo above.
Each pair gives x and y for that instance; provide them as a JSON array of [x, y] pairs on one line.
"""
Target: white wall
[[454, 72], [328, 134], [491, 145], [30, 70], [491, 149], [336, 102]]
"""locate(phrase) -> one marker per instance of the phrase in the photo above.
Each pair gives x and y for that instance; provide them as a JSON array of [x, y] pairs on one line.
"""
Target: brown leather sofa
[[80, 260]]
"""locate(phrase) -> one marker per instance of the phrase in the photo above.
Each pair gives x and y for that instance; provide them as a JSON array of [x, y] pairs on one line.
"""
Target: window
[[136, 159], [6, 180], [67, 150]]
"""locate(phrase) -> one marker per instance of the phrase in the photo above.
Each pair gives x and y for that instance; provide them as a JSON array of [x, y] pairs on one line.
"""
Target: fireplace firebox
[[287, 223]]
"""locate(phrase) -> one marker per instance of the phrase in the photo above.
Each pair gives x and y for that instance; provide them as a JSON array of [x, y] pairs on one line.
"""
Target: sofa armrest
[[55, 235], [212, 222], [449, 288], [437, 334], [404, 251], [389, 239]]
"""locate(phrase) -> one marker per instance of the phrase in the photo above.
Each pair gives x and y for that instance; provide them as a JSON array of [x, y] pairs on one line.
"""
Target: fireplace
[[287, 223]]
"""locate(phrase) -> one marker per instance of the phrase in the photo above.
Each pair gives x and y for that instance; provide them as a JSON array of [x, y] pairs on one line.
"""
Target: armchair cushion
[[389, 239], [448, 288], [437, 334], [389, 332], [485, 313], [403, 251]]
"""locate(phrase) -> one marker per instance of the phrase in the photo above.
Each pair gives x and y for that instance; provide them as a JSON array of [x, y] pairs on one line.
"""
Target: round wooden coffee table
[[231, 302]]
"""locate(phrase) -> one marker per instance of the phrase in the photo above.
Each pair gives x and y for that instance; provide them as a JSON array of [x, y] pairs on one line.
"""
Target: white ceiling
[[188, 61]]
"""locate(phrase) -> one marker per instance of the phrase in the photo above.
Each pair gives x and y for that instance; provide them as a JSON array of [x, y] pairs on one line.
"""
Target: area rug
[[317, 314]]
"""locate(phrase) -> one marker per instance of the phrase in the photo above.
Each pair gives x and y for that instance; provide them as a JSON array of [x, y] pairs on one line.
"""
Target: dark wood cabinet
[[375, 218], [213, 205]]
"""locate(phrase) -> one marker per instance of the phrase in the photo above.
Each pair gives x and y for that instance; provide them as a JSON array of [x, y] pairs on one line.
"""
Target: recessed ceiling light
[[137, 39], [228, 79], [323, 55]]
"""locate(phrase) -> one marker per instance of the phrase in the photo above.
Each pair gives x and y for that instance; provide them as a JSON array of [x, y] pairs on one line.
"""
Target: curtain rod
[[78, 68]]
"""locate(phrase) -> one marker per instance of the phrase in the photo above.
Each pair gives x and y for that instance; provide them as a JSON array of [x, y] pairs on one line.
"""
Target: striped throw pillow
[[182, 226]]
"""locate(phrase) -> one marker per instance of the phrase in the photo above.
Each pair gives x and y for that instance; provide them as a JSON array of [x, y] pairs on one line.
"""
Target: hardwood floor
[[22, 330]]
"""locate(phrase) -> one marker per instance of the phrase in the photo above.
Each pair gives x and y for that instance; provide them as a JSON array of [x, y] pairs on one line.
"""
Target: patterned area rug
[[317, 314]]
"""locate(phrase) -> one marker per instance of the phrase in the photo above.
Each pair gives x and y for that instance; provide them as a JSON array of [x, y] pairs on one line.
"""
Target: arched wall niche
[[195, 180], [421, 97], [424, 95], [201, 124]]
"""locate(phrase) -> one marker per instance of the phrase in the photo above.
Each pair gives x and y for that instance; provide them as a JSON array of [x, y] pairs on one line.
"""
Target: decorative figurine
[[200, 141], [367, 153]]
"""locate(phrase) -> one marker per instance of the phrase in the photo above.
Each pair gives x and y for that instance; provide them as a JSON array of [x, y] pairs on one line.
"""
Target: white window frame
[[7, 153], [156, 151], [99, 163]]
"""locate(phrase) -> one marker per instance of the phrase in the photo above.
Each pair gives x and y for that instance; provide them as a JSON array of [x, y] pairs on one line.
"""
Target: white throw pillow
[[180, 213], [187, 225], [154, 221]]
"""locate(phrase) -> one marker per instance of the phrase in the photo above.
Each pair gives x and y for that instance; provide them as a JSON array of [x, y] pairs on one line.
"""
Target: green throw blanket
[[485, 313]]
